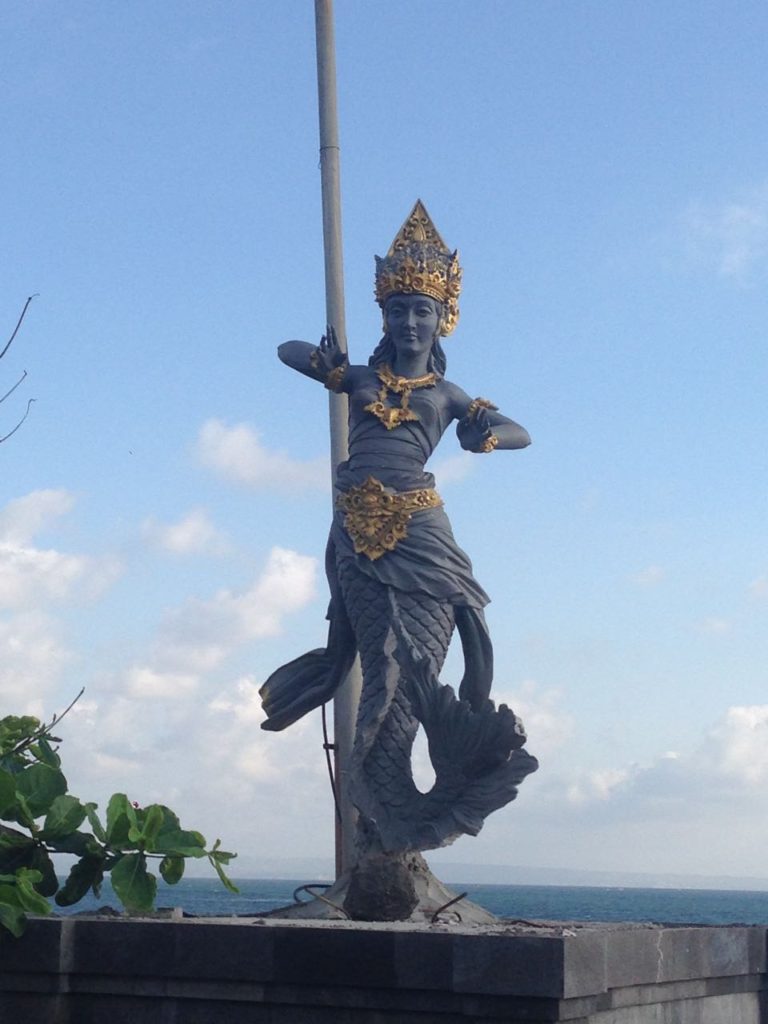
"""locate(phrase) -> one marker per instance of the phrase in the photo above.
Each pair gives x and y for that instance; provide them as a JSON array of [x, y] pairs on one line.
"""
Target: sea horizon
[[206, 897]]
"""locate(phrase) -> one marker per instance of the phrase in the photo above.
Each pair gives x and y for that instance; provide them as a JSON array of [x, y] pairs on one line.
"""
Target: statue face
[[412, 322]]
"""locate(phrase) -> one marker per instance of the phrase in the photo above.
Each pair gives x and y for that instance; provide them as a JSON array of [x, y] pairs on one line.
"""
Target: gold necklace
[[392, 416]]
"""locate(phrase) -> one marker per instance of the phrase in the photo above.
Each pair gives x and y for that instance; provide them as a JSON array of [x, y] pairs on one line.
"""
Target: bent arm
[[510, 434], [479, 420], [326, 362], [296, 354]]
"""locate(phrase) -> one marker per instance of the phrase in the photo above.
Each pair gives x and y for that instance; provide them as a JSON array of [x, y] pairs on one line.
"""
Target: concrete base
[[433, 900], [86, 970]]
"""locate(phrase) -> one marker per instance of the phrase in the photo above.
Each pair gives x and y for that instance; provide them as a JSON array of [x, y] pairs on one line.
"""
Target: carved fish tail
[[382, 786]]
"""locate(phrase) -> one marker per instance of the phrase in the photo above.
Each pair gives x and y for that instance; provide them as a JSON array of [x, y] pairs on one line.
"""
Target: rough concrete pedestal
[[249, 971], [398, 887]]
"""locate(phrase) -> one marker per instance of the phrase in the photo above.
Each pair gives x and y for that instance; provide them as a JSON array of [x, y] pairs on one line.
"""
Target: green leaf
[[65, 816], [12, 916], [14, 730], [154, 817], [12, 837], [45, 753], [39, 786], [82, 844], [41, 861], [86, 874], [185, 844], [134, 885], [16, 851], [7, 791], [29, 898], [171, 821], [149, 821], [22, 813], [218, 859], [95, 822], [120, 817], [172, 869]]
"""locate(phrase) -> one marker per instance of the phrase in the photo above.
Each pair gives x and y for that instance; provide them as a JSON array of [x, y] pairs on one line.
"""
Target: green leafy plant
[[46, 820]]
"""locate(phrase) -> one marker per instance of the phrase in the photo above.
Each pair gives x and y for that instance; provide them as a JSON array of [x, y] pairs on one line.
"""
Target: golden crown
[[420, 262]]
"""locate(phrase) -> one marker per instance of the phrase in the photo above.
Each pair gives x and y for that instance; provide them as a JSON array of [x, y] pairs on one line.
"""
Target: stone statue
[[399, 582]]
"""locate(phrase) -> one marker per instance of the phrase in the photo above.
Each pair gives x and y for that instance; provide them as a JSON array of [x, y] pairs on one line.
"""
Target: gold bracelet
[[489, 443], [335, 377], [479, 403]]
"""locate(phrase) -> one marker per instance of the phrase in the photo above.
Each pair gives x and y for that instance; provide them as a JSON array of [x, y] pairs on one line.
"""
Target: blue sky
[[603, 170]]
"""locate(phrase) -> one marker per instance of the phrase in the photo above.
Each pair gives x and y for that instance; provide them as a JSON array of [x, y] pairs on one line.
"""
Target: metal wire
[[328, 747], [445, 906], [308, 887]]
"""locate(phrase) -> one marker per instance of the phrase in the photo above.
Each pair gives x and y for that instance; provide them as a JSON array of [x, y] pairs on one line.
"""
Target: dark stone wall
[[83, 970]]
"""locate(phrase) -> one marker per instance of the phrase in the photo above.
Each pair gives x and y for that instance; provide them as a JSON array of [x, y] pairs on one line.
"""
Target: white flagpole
[[347, 697]]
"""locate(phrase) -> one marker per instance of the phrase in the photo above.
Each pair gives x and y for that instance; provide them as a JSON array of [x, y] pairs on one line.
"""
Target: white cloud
[[732, 236], [759, 587], [199, 635], [547, 726], [240, 707], [32, 657], [596, 785], [31, 576], [146, 682], [738, 745], [726, 772], [194, 534], [649, 577], [452, 469], [28, 575], [23, 518], [715, 626], [237, 454]]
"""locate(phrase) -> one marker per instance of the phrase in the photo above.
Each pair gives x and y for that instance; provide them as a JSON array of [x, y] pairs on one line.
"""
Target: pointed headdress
[[419, 262]]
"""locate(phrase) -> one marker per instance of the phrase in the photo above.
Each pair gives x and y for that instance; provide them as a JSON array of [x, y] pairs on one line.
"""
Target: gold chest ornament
[[393, 415]]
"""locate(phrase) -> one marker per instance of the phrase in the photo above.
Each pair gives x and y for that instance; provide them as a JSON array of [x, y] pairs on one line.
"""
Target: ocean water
[[204, 897]]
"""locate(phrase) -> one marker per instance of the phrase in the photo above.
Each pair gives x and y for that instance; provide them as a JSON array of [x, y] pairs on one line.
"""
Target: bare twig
[[45, 728], [7, 393], [57, 718], [12, 432], [18, 325]]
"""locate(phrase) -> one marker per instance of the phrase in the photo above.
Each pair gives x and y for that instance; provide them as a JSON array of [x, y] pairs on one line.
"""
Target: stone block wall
[[87, 970]]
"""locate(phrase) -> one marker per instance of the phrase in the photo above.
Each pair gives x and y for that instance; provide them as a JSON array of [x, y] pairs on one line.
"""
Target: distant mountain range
[[321, 868]]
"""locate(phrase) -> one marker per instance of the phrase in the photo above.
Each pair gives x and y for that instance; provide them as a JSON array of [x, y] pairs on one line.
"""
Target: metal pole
[[347, 697]]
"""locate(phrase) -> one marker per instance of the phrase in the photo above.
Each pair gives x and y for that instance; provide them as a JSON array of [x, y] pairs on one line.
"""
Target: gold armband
[[489, 443], [479, 403], [336, 376], [332, 380]]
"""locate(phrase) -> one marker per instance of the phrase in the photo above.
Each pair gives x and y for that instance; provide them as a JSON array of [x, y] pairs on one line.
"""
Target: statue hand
[[328, 354], [474, 430]]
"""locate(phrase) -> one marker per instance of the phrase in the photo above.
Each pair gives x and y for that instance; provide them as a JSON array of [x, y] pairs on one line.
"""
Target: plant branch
[[18, 325], [45, 728], [7, 393], [12, 432]]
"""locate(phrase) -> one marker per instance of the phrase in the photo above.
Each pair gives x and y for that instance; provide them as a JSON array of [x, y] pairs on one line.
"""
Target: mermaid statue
[[399, 583]]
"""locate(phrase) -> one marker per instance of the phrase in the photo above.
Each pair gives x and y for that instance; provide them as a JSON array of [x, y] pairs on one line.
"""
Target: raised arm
[[482, 428], [324, 362]]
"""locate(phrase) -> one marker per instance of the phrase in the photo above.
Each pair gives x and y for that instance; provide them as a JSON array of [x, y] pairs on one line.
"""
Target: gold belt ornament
[[377, 519]]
